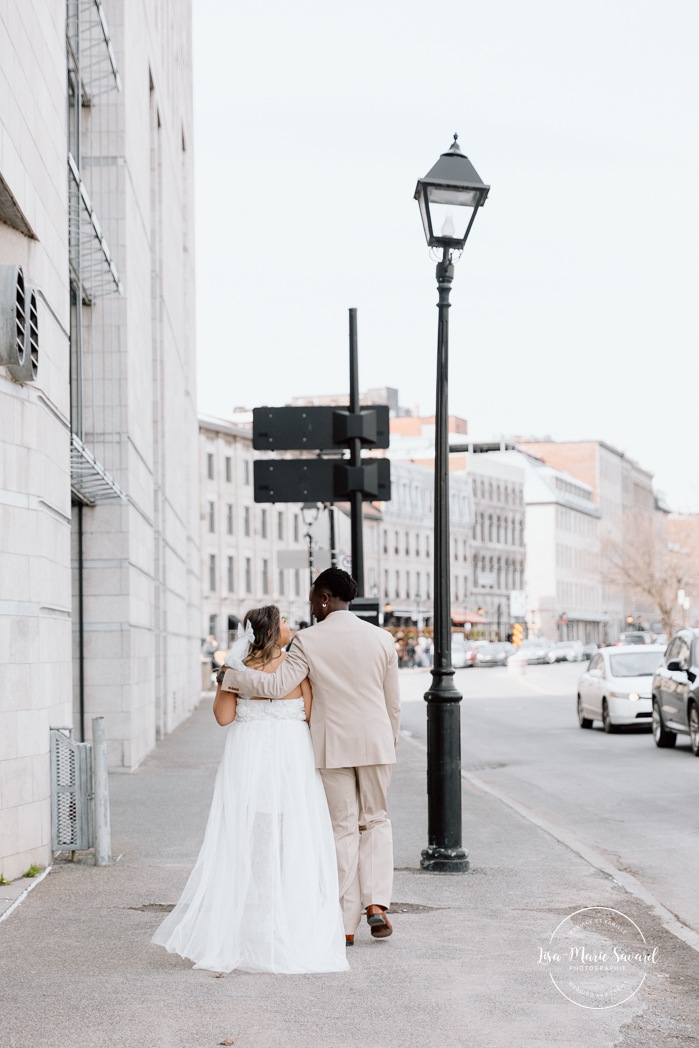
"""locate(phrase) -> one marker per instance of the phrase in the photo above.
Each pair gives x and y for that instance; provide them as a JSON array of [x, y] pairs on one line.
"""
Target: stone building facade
[[406, 581], [99, 550], [563, 581], [497, 553], [623, 492], [242, 542]]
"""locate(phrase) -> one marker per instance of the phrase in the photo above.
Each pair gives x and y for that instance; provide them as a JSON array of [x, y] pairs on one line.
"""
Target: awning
[[460, 618]]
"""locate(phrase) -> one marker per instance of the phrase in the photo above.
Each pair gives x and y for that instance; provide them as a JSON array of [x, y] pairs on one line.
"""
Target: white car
[[616, 686]]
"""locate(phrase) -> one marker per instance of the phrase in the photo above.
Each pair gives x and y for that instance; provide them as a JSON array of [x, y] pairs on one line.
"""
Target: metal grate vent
[[72, 797], [13, 341], [27, 370]]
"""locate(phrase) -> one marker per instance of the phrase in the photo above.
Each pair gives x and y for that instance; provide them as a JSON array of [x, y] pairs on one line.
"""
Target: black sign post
[[327, 479]]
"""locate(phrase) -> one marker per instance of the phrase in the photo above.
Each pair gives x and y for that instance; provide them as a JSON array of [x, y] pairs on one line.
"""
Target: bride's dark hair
[[266, 623]]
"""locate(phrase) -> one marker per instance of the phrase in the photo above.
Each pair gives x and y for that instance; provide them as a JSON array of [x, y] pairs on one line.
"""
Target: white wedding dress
[[263, 895]]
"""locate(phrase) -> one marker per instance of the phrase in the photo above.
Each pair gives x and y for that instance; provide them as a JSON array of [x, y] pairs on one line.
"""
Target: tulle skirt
[[263, 895]]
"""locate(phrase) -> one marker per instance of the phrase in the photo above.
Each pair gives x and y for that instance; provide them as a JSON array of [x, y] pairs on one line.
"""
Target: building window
[[482, 523], [229, 469], [248, 575], [490, 527], [407, 585], [407, 544], [385, 541], [417, 585], [229, 519], [263, 525], [210, 466], [521, 533], [265, 575], [475, 572], [212, 516], [499, 530], [428, 587], [231, 586], [212, 573], [397, 584], [297, 582], [246, 472], [280, 526], [417, 544], [396, 546], [456, 588], [465, 551], [281, 583], [246, 523], [385, 585]]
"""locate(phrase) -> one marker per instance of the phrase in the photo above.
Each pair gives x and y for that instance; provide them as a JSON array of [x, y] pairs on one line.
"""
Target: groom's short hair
[[337, 583]]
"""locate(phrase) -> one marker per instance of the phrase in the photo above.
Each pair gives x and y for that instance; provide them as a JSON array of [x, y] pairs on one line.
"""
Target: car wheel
[[661, 736], [606, 719], [693, 720], [583, 721]]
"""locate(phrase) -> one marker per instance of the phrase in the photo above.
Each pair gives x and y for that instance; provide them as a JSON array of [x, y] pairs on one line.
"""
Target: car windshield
[[632, 638], [635, 663]]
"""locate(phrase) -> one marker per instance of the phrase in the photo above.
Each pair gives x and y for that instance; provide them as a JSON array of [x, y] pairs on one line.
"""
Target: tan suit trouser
[[358, 803]]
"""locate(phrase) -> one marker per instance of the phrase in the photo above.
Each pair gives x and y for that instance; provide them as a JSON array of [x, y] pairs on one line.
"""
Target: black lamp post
[[449, 198]]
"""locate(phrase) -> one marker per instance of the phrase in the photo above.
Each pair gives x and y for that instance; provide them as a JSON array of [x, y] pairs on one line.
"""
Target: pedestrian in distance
[[263, 895], [352, 668]]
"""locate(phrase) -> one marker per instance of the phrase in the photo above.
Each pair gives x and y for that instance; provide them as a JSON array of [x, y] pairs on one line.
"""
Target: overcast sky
[[574, 309]]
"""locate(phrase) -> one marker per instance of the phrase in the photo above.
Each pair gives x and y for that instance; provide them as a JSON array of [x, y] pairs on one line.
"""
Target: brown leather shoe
[[349, 940], [379, 923]]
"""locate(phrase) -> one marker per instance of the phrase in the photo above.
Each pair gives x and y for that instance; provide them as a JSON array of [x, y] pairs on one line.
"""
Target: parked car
[[533, 651], [635, 637], [493, 654], [463, 652], [568, 651], [616, 686], [676, 692], [590, 649]]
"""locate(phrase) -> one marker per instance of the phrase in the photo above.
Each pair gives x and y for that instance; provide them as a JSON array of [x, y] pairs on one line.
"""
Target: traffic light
[[517, 634]]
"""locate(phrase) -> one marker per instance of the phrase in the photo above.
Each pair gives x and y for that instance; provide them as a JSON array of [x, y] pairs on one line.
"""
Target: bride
[[263, 895]]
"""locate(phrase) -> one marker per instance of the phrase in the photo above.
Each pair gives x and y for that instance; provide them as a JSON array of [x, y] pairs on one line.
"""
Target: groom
[[355, 715]]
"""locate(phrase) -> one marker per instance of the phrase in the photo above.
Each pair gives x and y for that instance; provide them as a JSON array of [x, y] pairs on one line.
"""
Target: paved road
[[619, 794]]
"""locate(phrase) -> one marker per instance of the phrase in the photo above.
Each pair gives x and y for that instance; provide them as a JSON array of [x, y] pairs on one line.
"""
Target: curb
[[22, 896], [631, 884]]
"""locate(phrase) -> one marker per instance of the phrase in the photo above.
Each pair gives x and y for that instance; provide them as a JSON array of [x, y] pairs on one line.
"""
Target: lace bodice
[[270, 709]]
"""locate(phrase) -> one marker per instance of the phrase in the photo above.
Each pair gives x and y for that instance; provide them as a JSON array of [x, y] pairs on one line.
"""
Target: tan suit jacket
[[353, 671]]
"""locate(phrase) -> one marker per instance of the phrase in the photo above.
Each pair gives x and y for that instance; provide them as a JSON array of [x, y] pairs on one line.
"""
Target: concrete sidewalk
[[460, 971]]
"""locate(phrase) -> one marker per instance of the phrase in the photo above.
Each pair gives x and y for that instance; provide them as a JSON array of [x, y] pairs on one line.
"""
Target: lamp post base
[[444, 860]]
